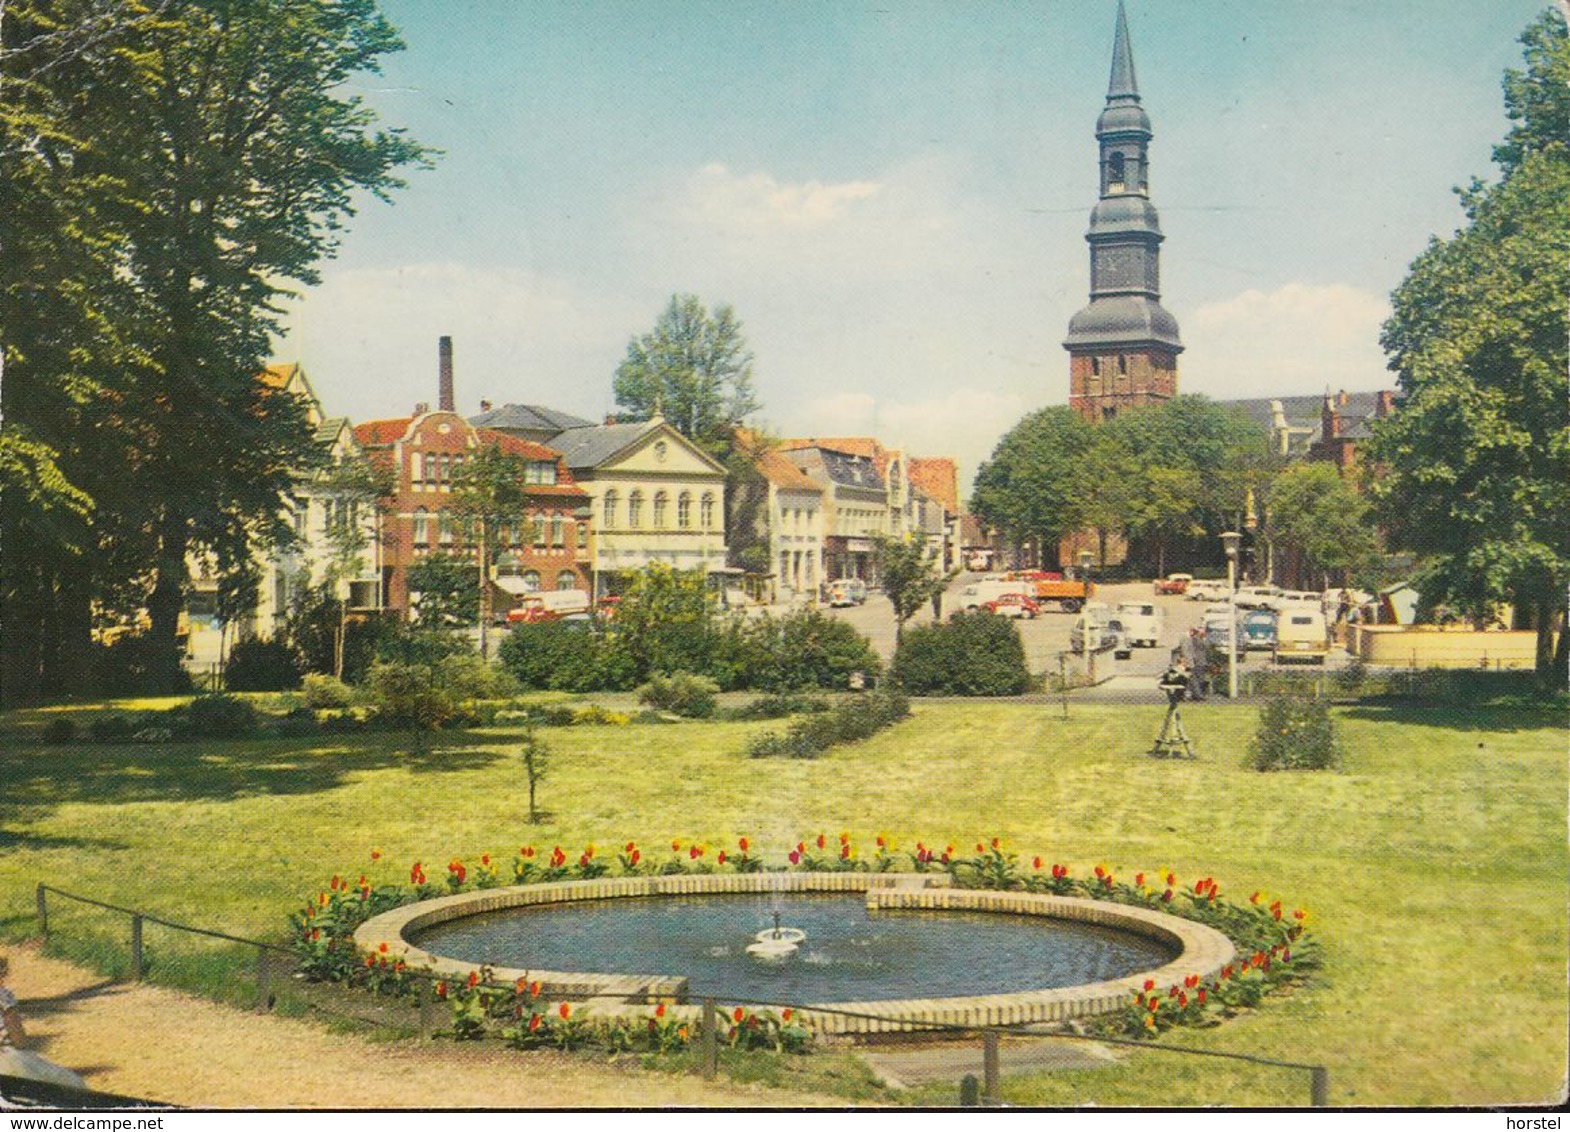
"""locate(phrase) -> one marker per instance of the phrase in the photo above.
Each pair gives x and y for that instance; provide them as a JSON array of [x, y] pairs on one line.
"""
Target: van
[[1141, 623], [1301, 634], [1091, 629], [548, 605]]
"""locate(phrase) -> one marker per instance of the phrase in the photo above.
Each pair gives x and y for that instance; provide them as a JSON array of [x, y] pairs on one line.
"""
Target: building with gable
[[548, 544]]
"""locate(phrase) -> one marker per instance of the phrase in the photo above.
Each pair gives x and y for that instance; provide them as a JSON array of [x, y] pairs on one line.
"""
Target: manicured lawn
[[1433, 865]]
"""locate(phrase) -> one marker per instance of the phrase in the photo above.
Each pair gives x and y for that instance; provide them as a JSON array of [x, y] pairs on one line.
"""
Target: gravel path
[[151, 1042]]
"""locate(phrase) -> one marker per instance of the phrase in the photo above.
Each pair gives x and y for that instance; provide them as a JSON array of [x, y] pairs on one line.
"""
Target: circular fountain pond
[[886, 949], [849, 952]]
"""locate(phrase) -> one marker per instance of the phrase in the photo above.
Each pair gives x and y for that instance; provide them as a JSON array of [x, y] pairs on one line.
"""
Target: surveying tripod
[[1173, 742]]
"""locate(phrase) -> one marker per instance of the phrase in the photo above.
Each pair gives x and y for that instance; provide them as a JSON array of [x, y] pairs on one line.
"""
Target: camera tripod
[[1173, 742]]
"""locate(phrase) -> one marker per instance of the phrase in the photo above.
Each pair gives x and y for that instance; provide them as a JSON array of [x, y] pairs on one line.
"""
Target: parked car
[[847, 591], [1259, 629], [978, 594], [1174, 583], [1205, 590], [1121, 647], [1142, 622], [1218, 634], [548, 605], [1301, 634], [1256, 597], [1013, 605], [1091, 628]]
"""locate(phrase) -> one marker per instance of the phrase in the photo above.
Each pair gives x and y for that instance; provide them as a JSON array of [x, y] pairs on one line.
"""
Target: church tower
[[1123, 346]]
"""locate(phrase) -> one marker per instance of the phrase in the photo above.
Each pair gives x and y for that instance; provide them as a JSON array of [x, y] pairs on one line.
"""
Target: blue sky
[[894, 197]]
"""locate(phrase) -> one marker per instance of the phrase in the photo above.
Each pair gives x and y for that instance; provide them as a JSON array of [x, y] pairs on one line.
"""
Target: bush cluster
[[559, 656], [1295, 733], [322, 691], [851, 722], [681, 693], [258, 665], [972, 654]]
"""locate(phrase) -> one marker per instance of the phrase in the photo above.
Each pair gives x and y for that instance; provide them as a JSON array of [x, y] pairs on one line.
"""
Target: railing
[[986, 1092]]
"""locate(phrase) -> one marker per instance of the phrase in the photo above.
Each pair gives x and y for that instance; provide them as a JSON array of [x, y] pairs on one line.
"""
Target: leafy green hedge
[[859, 719], [972, 654]]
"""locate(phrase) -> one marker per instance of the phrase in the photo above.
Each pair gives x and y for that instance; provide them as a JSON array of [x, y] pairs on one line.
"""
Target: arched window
[[635, 510], [444, 528], [531, 581], [684, 510], [1115, 170], [706, 511], [556, 530], [430, 467], [539, 529], [609, 522], [566, 580], [659, 508], [422, 527], [1122, 364]]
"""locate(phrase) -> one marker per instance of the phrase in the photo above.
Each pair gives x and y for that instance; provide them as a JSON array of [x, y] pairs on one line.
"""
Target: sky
[[893, 197]]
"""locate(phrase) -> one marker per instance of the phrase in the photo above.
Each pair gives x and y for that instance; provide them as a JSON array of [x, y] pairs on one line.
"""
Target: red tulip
[[738, 1014], [1035, 863], [785, 1014], [1201, 996], [376, 854], [996, 842], [742, 844], [534, 989], [634, 857], [474, 978], [659, 1010], [1150, 984], [631, 848], [1139, 880], [821, 841], [844, 852], [980, 848], [721, 858], [534, 1022], [794, 857], [565, 1010]]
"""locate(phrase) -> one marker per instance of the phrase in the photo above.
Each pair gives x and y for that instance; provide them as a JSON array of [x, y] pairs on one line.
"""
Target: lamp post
[[1090, 646], [1229, 543]]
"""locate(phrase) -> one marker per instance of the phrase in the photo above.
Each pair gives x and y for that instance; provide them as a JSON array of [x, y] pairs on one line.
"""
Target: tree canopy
[[170, 170], [695, 369], [1475, 461]]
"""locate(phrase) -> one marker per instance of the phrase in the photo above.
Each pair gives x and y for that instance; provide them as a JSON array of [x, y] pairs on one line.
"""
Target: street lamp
[[1085, 559], [1229, 543]]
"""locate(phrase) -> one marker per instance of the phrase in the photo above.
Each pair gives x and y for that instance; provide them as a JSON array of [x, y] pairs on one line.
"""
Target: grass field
[[1433, 864]]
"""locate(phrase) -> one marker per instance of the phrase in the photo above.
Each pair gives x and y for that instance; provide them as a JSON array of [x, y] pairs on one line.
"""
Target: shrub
[[814, 650], [778, 707], [411, 695], [468, 676], [400, 643], [972, 654], [681, 693], [323, 691], [111, 729], [220, 717], [810, 737], [60, 729], [125, 668], [561, 657], [1295, 733], [258, 665]]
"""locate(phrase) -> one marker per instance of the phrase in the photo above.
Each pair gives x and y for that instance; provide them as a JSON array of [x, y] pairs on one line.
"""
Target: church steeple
[[1123, 347]]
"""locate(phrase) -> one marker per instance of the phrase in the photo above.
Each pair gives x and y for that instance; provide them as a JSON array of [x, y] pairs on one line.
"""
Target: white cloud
[[745, 204], [367, 337], [1298, 338]]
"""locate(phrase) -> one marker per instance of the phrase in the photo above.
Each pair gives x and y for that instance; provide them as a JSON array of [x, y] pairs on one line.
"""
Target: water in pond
[[849, 954]]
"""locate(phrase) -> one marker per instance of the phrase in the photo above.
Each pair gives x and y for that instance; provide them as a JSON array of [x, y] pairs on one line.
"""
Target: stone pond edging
[[1203, 951]]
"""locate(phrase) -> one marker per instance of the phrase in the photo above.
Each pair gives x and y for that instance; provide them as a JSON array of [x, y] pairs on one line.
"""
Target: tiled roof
[[851, 470], [529, 418], [779, 471], [277, 375], [376, 434], [938, 479], [865, 446]]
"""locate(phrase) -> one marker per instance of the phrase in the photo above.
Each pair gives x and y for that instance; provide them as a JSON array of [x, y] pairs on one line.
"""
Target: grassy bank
[[1433, 864]]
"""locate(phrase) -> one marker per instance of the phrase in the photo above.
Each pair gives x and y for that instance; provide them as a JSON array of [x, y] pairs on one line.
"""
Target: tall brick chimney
[[444, 398]]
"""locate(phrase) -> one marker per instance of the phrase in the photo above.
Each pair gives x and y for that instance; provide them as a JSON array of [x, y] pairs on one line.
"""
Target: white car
[[1205, 590], [1257, 597], [1141, 621]]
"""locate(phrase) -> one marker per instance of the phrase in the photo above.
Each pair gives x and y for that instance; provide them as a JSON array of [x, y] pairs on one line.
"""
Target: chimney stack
[[444, 398], [1387, 400], [485, 406]]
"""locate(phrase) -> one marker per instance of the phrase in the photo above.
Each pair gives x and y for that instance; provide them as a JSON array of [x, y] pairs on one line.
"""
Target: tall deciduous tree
[[1321, 528], [1475, 461], [200, 157], [1031, 486], [695, 369], [911, 571], [488, 491]]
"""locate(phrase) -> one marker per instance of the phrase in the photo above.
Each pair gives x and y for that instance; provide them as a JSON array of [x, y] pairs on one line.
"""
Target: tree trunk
[[164, 604], [1551, 671], [74, 623], [21, 636]]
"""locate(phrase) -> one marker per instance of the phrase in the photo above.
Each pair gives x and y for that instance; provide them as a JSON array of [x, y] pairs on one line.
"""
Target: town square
[[713, 557]]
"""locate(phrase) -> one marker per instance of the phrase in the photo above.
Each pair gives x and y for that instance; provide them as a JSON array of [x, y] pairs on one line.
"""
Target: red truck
[[1070, 596]]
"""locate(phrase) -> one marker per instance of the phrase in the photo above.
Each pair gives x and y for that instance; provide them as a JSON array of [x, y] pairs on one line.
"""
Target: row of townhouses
[[600, 501]]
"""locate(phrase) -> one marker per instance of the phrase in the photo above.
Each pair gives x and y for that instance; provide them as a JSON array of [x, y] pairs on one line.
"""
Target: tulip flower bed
[[1271, 942]]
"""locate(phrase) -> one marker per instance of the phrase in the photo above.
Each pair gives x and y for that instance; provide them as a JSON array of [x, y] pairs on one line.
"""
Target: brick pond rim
[[1201, 950]]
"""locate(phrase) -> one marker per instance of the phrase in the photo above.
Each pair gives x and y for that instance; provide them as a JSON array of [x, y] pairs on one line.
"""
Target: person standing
[[1196, 655]]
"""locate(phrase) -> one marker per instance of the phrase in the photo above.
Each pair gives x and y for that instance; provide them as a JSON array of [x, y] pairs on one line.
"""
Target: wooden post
[[989, 1069], [136, 947], [427, 993], [261, 981], [43, 910], [1319, 1087], [711, 1039]]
